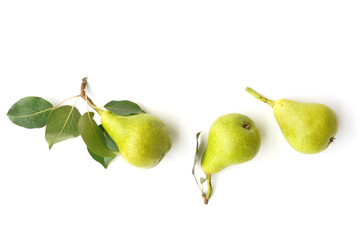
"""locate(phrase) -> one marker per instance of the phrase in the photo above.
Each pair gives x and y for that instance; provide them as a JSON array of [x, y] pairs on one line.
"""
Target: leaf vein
[[62, 129], [33, 114]]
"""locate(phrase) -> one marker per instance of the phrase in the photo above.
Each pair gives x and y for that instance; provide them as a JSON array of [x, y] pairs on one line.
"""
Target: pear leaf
[[30, 112], [93, 137], [111, 145], [102, 160], [196, 158], [62, 125], [123, 108]]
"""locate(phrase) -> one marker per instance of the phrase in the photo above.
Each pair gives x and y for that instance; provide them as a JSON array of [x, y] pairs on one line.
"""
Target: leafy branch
[[65, 122]]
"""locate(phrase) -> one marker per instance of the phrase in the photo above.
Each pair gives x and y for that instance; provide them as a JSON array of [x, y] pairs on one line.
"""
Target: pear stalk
[[209, 187], [260, 97], [86, 98]]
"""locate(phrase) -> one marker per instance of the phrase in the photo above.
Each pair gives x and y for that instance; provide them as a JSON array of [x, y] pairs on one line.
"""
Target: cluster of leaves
[[65, 122]]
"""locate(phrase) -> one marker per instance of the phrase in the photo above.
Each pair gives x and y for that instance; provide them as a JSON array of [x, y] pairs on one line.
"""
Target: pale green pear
[[307, 127], [233, 139], [142, 139]]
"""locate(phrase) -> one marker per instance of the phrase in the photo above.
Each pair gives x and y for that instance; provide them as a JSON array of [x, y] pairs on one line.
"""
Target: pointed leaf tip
[[104, 161]]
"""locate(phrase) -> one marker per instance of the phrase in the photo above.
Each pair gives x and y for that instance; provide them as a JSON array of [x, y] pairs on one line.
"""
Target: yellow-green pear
[[233, 139], [307, 127], [142, 139]]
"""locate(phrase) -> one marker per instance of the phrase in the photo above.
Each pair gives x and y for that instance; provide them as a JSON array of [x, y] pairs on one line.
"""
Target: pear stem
[[86, 98], [260, 97], [209, 187], [66, 100]]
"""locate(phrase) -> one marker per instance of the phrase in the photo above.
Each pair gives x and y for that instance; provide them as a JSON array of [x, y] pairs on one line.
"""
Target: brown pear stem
[[86, 98], [206, 201], [260, 97]]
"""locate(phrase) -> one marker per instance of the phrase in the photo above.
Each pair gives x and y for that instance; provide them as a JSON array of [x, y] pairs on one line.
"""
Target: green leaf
[[62, 125], [202, 180], [111, 145], [123, 108], [30, 112], [93, 136], [103, 160], [196, 158]]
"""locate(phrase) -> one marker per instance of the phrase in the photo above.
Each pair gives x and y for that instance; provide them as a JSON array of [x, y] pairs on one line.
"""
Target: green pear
[[307, 127], [142, 139], [233, 139]]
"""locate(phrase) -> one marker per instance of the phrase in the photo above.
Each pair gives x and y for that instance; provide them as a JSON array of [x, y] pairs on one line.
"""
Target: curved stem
[[261, 98], [86, 98], [66, 100], [209, 187]]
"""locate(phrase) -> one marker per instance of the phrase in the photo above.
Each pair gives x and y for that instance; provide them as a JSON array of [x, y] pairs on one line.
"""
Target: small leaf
[[93, 136], [62, 125], [30, 112], [103, 160], [110, 143], [196, 158], [123, 108]]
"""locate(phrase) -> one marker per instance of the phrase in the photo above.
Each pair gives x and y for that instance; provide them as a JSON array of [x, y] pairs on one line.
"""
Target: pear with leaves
[[140, 138]]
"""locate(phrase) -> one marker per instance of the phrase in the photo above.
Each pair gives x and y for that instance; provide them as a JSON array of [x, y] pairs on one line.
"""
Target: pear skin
[[308, 127], [142, 139], [233, 139]]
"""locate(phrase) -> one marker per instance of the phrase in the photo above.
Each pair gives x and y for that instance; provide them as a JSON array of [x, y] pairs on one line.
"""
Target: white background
[[187, 62]]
